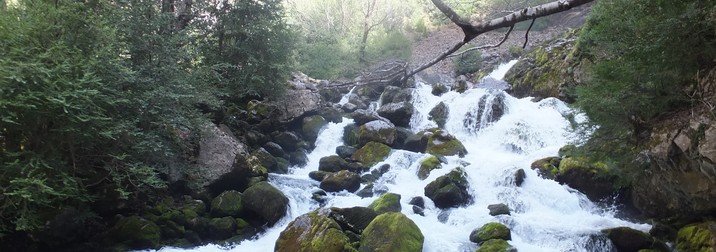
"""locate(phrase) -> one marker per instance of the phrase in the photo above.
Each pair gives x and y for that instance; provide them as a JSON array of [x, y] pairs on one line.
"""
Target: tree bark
[[471, 30]]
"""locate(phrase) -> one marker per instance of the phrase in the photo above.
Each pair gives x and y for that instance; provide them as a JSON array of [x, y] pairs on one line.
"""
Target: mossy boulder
[[591, 178], [392, 232], [427, 165], [289, 141], [489, 231], [345, 151], [271, 163], [626, 239], [312, 125], [547, 167], [362, 116], [417, 142], [449, 190], [700, 237], [313, 232], [389, 202], [221, 228], [377, 131], [227, 203], [442, 143], [342, 180], [265, 201], [439, 114], [439, 89], [395, 94], [350, 135], [399, 113], [318, 175], [332, 163], [371, 153], [496, 245], [136, 233]]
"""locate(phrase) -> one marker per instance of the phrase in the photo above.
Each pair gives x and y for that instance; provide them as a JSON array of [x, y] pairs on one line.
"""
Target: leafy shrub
[[468, 62]]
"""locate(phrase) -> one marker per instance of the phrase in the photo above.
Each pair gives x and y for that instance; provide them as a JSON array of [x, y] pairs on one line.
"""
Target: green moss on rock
[[496, 245], [371, 153], [389, 202], [313, 232], [136, 232], [547, 167], [427, 165], [442, 143], [227, 203], [392, 232], [699, 237], [312, 126], [489, 231], [265, 201]]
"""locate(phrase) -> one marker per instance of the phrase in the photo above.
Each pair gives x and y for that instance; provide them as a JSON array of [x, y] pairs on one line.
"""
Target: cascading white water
[[546, 216]]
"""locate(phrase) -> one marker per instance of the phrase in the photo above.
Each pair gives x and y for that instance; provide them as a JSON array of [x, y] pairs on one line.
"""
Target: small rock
[[489, 231], [389, 202], [520, 177], [417, 201], [498, 209], [339, 181]]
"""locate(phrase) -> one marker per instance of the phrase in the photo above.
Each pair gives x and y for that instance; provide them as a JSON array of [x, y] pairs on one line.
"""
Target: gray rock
[[265, 201], [398, 113], [498, 209], [342, 180]]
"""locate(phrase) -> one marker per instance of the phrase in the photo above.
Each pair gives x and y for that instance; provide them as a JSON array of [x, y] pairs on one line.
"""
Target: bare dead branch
[[507, 35], [527, 33]]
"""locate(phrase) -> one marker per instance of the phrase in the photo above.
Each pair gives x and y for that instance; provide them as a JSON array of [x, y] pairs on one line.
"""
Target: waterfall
[[546, 216]]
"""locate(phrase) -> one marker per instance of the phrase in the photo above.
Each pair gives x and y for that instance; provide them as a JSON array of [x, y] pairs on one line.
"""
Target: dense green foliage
[[646, 56], [99, 100]]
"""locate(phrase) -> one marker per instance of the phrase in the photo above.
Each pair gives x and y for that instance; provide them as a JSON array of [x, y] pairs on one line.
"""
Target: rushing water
[[546, 216]]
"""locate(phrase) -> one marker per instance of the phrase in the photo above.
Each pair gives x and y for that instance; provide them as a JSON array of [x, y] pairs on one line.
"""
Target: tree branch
[[527, 33], [507, 35]]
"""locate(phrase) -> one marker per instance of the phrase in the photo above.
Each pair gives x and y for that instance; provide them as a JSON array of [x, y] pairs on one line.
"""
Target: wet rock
[[332, 163], [442, 143], [221, 228], [439, 114], [489, 109], [355, 219], [319, 196], [349, 107], [350, 135], [401, 134], [489, 231], [274, 149], [520, 177], [288, 140], [314, 231], [439, 89], [697, 237], [449, 190], [332, 114], [391, 232], [344, 151], [419, 210], [393, 94], [227, 203], [417, 142], [136, 232], [496, 245], [265, 201], [592, 179], [298, 157], [629, 240], [318, 175], [339, 181], [427, 165], [377, 131], [371, 153], [360, 102], [398, 113], [547, 167], [389, 202], [311, 126], [271, 163], [295, 103], [361, 116], [417, 201], [366, 192], [498, 209], [255, 138]]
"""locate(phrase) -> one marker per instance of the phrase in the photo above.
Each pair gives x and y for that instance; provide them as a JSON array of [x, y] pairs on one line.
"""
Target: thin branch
[[507, 35], [527, 34], [436, 60]]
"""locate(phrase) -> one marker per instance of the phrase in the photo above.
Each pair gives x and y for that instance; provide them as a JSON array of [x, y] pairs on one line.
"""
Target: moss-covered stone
[[699, 237], [222, 228], [439, 114], [332, 163], [427, 165], [496, 245], [227, 203], [389, 202], [371, 153], [492, 230], [265, 201], [354, 219], [342, 180], [311, 126], [136, 232], [628, 239], [313, 232], [392, 232], [547, 167], [592, 179], [350, 135], [377, 131], [442, 143], [449, 190]]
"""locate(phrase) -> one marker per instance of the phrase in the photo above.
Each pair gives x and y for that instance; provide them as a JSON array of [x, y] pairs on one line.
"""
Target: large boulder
[[342, 180], [427, 165], [442, 143], [547, 167], [297, 101], [439, 114], [350, 135], [345, 151], [496, 245], [377, 131], [227, 203], [332, 163], [271, 163], [265, 201], [223, 162], [313, 232], [417, 142], [697, 237], [371, 153], [311, 126], [393, 94], [489, 109], [449, 190], [221, 228], [392, 232], [389, 202], [362, 116], [630, 240], [136, 232], [289, 141], [489, 231], [592, 179], [398, 112], [354, 219]]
